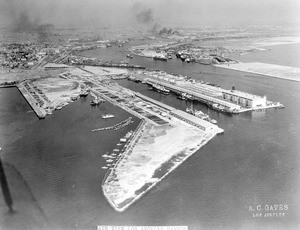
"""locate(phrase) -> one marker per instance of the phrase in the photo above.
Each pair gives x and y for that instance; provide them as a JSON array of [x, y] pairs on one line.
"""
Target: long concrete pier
[[230, 101], [40, 112]]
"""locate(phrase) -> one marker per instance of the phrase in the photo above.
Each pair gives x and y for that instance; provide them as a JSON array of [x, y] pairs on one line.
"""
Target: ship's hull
[[166, 92]]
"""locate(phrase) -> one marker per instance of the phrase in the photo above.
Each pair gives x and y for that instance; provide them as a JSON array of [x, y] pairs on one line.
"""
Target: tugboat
[[218, 107], [73, 98], [181, 96], [183, 57], [185, 96], [280, 106], [83, 93], [132, 78], [128, 134], [213, 121], [94, 102], [200, 114]]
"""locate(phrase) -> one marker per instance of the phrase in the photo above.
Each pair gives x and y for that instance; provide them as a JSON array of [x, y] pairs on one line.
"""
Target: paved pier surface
[[40, 112]]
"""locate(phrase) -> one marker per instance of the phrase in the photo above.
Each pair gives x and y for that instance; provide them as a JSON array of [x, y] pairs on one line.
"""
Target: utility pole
[[5, 189]]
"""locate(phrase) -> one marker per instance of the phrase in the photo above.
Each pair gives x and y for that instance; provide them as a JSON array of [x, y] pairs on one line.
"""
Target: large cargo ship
[[160, 89]]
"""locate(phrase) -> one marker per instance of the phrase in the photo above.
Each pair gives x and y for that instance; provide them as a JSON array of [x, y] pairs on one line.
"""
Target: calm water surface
[[256, 160]]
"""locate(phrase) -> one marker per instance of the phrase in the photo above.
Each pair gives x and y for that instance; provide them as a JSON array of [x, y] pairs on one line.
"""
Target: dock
[[39, 111], [229, 101]]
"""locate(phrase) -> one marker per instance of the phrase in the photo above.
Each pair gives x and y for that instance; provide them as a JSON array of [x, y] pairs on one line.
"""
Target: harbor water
[[255, 162]]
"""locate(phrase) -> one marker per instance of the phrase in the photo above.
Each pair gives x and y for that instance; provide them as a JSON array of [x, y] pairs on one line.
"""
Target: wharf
[[40, 112], [114, 102], [198, 96], [209, 96], [162, 116]]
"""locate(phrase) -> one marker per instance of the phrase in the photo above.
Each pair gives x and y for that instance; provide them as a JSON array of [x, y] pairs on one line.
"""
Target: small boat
[[128, 134], [213, 121], [94, 102], [83, 93], [116, 150], [160, 58], [131, 78], [109, 160], [200, 114], [104, 167], [107, 116]]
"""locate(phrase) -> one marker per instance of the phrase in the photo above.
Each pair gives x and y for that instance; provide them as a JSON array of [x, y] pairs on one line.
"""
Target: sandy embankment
[[153, 148], [270, 70]]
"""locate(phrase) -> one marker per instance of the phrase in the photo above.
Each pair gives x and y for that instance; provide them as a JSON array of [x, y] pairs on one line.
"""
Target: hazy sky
[[163, 12]]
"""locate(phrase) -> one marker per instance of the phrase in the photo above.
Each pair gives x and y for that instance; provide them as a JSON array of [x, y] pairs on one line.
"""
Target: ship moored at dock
[[228, 101]]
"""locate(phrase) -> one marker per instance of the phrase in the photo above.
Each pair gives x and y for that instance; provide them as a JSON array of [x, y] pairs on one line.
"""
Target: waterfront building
[[192, 120], [244, 99]]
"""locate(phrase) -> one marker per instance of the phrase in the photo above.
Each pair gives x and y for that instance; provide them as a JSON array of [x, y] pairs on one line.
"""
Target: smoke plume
[[142, 13], [25, 24]]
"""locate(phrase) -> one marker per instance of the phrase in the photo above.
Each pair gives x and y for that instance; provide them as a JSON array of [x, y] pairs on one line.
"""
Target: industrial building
[[192, 120], [206, 95], [244, 99]]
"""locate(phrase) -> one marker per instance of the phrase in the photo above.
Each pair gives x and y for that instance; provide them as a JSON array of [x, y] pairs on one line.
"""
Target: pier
[[39, 111], [116, 126], [229, 101], [150, 148]]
